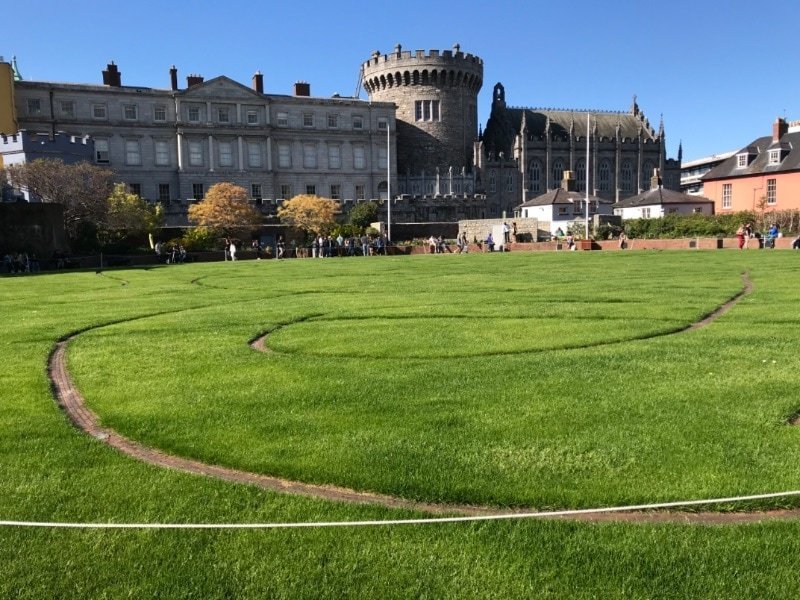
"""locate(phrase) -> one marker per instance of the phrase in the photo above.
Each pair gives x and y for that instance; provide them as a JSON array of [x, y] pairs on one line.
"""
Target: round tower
[[436, 95]]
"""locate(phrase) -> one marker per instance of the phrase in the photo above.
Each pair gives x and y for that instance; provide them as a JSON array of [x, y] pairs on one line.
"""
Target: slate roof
[[789, 145], [561, 196], [659, 197]]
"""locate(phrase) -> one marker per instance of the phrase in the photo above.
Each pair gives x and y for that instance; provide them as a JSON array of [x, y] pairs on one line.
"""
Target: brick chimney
[[192, 80], [112, 76], [302, 88], [173, 77], [779, 128], [258, 82], [568, 182]]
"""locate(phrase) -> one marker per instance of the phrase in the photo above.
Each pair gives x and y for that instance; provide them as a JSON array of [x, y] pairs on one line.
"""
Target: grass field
[[518, 380]]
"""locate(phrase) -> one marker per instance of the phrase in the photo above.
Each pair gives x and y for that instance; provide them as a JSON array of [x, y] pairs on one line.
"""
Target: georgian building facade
[[173, 144]]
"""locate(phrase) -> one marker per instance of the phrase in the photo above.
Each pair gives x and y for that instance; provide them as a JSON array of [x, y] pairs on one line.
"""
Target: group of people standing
[[20, 262]]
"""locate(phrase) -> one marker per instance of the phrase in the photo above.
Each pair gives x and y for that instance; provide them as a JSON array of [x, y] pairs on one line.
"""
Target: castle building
[[524, 152], [173, 144]]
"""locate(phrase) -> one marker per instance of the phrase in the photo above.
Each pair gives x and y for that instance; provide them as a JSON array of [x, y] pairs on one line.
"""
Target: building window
[[286, 191], [162, 153], [311, 189], [772, 190], [427, 110], [382, 157], [101, 151], [309, 156], [255, 191], [133, 152], [160, 113], [646, 212], [698, 210], [225, 154], [334, 157], [535, 176], [197, 191], [193, 113], [727, 195], [625, 176], [282, 119], [284, 155], [135, 188], [562, 210], [99, 111], [130, 112], [360, 195], [580, 174], [604, 176], [741, 160], [308, 119], [509, 182], [67, 108], [358, 122], [224, 115], [163, 192], [34, 106], [492, 182], [333, 121], [252, 117], [382, 124], [195, 153], [359, 158], [253, 154], [558, 172], [774, 157], [336, 191]]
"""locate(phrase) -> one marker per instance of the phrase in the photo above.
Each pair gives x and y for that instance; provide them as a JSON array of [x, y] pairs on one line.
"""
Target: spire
[[480, 132], [680, 151], [524, 127], [15, 69], [661, 127], [634, 107]]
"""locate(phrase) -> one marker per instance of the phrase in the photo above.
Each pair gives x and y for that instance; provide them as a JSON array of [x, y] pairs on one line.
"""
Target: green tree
[[363, 214], [128, 217]]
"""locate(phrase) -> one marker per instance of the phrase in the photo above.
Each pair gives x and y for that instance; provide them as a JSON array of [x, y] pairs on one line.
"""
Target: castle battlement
[[407, 58], [60, 139]]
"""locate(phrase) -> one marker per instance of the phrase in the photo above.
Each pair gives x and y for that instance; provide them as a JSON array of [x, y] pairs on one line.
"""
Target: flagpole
[[587, 175], [388, 185]]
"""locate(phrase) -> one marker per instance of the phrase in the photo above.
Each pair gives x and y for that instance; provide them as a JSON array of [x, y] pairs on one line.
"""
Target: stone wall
[[479, 229]]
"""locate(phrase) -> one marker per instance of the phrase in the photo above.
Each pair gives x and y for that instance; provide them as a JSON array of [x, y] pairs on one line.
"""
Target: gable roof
[[789, 144], [659, 197], [561, 196]]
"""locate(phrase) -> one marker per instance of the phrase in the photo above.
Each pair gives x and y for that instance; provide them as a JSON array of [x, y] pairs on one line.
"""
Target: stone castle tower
[[436, 95]]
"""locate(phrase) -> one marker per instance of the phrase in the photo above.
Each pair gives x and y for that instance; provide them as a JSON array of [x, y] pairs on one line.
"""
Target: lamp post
[[587, 176], [388, 185]]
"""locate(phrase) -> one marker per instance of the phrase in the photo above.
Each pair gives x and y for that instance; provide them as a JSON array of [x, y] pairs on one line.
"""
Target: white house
[[658, 202]]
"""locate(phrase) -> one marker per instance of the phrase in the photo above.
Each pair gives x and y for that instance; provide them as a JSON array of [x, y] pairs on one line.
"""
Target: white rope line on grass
[[431, 521]]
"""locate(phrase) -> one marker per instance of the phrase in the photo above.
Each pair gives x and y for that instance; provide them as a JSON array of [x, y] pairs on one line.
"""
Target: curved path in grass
[[70, 399]]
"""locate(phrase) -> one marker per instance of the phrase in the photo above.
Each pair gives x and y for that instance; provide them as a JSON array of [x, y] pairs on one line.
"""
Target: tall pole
[[388, 185], [587, 175]]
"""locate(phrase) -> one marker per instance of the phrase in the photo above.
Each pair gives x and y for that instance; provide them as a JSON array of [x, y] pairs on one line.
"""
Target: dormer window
[[741, 160], [774, 157]]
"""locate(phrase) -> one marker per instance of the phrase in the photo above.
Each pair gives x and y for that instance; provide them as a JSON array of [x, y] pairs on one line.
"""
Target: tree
[[128, 216], [81, 188], [362, 215], [225, 210], [310, 213]]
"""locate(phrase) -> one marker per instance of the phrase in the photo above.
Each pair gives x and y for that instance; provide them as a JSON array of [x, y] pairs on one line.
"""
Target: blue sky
[[719, 71]]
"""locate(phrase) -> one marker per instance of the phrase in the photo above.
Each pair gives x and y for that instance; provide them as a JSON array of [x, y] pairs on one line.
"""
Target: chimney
[[301, 88], [655, 180], [258, 82], [192, 80], [568, 182], [779, 128], [112, 76], [173, 77]]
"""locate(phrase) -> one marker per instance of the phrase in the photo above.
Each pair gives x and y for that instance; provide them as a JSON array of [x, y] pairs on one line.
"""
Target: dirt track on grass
[[70, 399]]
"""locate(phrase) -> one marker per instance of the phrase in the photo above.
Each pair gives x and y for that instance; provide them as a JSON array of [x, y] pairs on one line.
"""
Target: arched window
[[580, 174], [535, 176], [558, 172], [647, 172], [626, 177], [604, 175]]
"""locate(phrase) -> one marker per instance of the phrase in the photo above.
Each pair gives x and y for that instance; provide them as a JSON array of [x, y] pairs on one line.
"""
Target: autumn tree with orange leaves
[[225, 210], [311, 214]]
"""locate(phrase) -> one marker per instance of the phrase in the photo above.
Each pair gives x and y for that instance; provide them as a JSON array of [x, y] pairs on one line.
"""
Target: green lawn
[[519, 380]]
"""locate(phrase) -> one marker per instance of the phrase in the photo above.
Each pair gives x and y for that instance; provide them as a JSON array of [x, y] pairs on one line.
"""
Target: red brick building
[[764, 175]]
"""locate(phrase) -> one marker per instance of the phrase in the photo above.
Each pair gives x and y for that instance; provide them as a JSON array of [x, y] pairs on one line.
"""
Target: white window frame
[[162, 153], [309, 156], [286, 191], [334, 156], [160, 113], [741, 161], [223, 114], [99, 111], [282, 119], [358, 122], [193, 114], [252, 117], [284, 156], [360, 192], [101, 151], [774, 157], [359, 157], [196, 153], [333, 121], [772, 192], [336, 191], [133, 152], [382, 157], [254, 155], [727, 195], [256, 191], [130, 112], [308, 119], [225, 150]]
